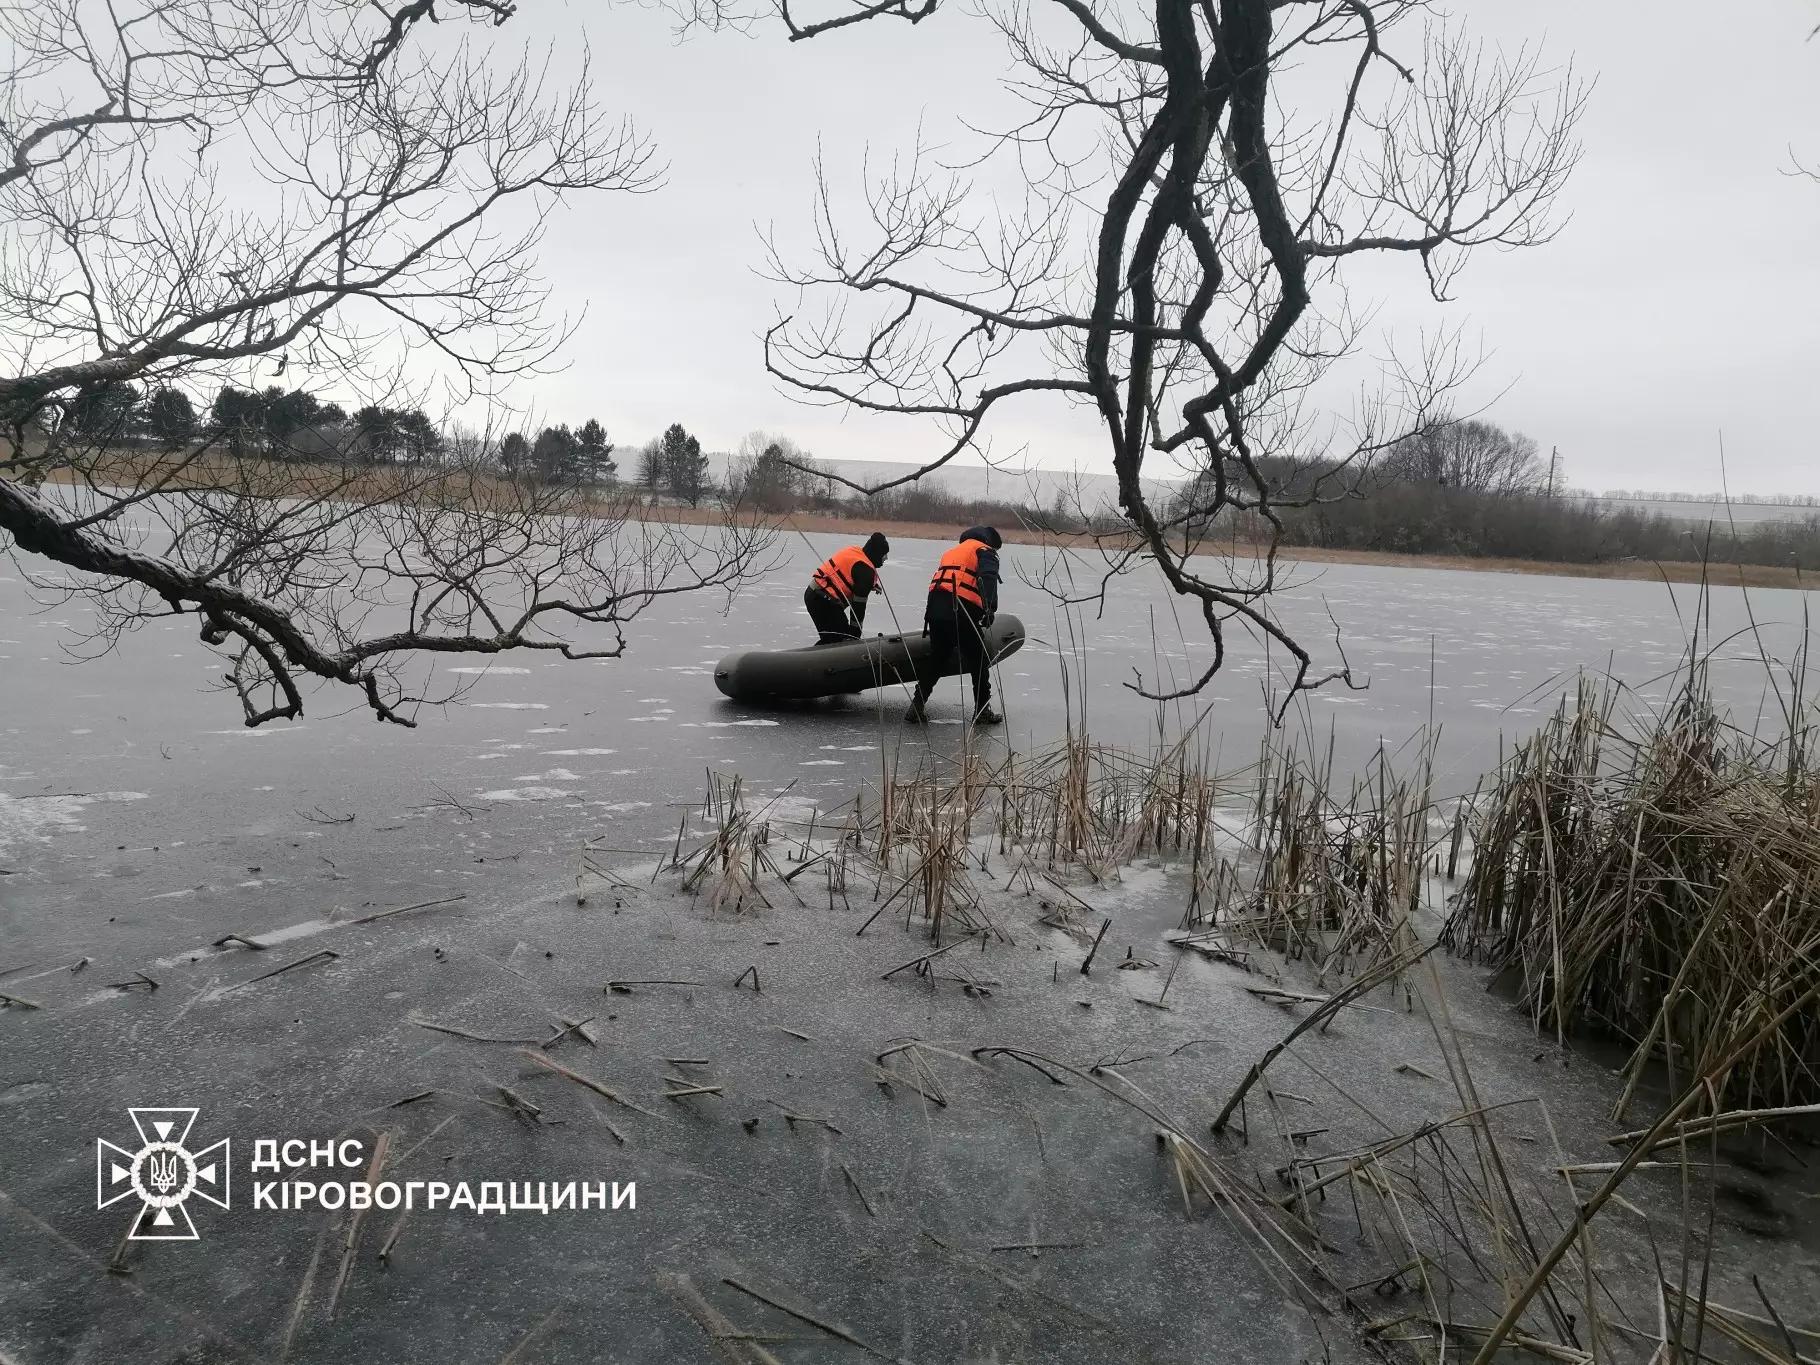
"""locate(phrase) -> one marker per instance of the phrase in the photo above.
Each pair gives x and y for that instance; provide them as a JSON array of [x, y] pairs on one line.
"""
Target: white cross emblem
[[163, 1173]]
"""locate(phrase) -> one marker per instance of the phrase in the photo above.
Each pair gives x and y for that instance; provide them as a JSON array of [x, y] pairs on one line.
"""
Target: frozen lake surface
[[1026, 1220], [137, 817]]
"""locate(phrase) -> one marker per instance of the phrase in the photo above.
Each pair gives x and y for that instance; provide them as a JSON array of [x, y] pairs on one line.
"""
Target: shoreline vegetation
[[145, 471], [1642, 877], [1716, 574]]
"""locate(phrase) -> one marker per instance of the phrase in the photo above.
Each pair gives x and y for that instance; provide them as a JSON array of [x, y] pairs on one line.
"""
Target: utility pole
[[1554, 466]]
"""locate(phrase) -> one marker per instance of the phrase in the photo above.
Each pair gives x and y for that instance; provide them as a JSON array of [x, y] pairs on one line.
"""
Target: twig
[[864, 1202], [349, 1242], [325, 955], [1087, 963], [926, 957], [1713, 1123], [511, 1357], [391, 1238], [1338, 1001], [832, 1329], [303, 1294], [579, 1079], [1788, 1337], [1038, 1246], [729, 1343], [406, 909], [625, 987], [576, 1026], [463, 1033], [527, 1113], [1017, 1055]]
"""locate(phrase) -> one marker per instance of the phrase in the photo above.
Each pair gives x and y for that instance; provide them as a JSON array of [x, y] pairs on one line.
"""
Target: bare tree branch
[[1178, 262], [188, 187]]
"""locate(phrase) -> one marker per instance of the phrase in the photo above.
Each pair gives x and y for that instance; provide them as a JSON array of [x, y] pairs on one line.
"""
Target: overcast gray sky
[[1680, 304]]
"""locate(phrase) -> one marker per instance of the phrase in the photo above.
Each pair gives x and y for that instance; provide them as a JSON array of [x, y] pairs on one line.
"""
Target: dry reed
[[1656, 878]]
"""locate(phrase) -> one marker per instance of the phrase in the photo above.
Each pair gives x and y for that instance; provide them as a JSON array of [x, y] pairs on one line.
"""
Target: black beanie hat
[[877, 547]]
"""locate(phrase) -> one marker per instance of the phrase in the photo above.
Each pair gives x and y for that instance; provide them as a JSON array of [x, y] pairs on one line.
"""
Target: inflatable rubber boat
[[829, 670]]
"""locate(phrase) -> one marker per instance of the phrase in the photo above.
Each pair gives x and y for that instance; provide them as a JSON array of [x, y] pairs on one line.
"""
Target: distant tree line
[[1463, 488], [1472, 489], [295, 424]]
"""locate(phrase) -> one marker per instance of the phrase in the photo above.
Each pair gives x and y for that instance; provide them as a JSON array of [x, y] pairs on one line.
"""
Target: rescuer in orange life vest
[[963, 598], [837, 593]]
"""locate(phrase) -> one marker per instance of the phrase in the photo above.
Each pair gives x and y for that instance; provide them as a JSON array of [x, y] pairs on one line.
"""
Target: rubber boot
[[915, 716], [987, 716]]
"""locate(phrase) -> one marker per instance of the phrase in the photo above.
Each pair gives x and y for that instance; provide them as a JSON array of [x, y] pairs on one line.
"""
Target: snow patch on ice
[[490, 668], [509, 706], [579, 753], [38, 818], [721, 724], [526, 794], [619, 807], [554, 775], [823, 763]]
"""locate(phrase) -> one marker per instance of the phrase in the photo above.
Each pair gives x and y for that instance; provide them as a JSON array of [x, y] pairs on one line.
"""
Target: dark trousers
[[831, 618], [953, 628]]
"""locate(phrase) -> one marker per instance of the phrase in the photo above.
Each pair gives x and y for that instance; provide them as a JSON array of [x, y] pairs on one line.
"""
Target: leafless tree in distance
[[331, 189], [1166, 235], [1471, 455]]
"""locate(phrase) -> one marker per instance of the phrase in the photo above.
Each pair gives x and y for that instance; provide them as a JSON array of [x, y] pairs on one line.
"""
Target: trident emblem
[[163, 1173]]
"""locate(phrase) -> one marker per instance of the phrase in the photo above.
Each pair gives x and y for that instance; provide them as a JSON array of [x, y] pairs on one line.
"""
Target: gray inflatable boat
[[850, 666]]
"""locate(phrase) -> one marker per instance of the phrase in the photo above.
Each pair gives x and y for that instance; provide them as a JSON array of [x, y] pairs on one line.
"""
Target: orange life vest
[[835, 576], [958, 573]]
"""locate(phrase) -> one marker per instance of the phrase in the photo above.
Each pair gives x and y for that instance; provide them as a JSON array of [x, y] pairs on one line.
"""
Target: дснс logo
[[163, 1173]]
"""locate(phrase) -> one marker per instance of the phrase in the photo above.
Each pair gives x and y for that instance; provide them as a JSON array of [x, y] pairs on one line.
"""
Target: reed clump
[[1321, 872], [1656, 877]]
